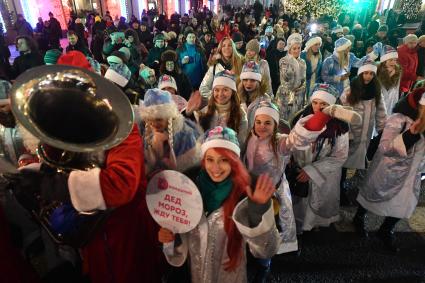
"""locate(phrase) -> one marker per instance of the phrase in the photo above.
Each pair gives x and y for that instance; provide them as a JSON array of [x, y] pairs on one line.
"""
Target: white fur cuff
[[266, 224], [85, 190]]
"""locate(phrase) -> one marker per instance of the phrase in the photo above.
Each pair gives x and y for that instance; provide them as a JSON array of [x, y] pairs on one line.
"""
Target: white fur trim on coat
[[250, 75], [160, 111], [85, 190], [368, 67], [219, 143], [116, 78], [391, 55], [266, 224], [323, 95]]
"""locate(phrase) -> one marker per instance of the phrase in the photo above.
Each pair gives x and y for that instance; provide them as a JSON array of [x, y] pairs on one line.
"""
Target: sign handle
[[168, 248]]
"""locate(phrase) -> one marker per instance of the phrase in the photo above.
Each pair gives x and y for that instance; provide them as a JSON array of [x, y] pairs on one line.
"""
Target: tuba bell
[[72, 111]]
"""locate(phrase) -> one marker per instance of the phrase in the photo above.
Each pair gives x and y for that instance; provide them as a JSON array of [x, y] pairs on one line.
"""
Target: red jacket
[[408, 59], [126, 249]]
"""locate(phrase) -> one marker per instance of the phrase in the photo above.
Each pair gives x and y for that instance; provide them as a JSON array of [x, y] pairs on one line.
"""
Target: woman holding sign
[[217, 244]]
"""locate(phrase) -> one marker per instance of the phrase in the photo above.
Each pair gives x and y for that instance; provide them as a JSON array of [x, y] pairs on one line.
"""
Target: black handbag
[[298, 189]]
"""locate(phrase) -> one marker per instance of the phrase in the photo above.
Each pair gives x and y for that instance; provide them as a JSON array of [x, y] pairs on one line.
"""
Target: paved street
[[337, 254]]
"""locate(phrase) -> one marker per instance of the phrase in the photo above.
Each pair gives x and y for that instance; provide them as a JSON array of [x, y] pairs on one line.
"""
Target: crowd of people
[[266, 112]]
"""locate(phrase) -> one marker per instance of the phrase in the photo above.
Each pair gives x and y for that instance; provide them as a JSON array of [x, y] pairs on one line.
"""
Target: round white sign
[[174, 201]]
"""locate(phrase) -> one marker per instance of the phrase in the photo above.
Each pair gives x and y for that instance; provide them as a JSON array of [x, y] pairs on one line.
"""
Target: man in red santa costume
[[86, 128]]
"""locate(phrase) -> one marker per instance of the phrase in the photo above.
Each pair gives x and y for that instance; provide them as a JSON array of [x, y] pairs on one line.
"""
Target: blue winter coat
[[309, 71], [331, 71], [196, 67]]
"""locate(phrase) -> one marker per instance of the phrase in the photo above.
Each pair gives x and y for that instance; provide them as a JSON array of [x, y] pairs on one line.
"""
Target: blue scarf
[[213, 194]]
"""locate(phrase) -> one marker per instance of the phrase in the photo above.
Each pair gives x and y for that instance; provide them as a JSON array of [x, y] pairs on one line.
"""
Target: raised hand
[[165, 236], [194, 102], [264, 190]]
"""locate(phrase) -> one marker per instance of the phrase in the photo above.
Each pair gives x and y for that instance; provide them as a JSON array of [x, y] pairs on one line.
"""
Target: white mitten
[[341, 113]]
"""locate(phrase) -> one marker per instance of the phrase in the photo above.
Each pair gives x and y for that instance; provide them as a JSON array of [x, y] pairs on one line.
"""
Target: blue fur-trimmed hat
[[367, 65], [225, 78], [251, 70], [158, 104], [119, 74], [221, 137], [268, 108], [342, 44], [388, 52], [324, 92]]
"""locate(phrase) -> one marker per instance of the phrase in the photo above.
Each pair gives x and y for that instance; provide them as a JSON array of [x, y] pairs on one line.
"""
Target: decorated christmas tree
[[410, 8], [318, 8]]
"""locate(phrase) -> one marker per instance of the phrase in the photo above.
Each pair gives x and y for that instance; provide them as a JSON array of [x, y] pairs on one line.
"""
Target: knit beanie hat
[[268, 108], [51, 57], [159, 36], [269, 29], [388, 52], [410, 38], [294, 38], [145, 72], [312, 41], [75, 58], [221, 137], [324, 92], [158, 104], [225, 78], [367, 65], [126, 52], [251, 70], [383, 28], [166, 81], [253, 45], [169, 55], [237, 37], [346, 29], [342, 43], [117, 57], [119, 74], [97, 19]]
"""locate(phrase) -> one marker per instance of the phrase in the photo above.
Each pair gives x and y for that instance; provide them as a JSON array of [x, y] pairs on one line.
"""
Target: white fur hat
[[312, 41], [158, 104], [294, 38]]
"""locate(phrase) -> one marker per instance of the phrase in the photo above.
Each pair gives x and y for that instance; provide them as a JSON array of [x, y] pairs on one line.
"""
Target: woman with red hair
[[234, 215]]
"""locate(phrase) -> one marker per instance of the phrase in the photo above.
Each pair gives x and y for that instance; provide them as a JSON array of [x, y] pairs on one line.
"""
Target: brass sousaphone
[[73, 112]]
